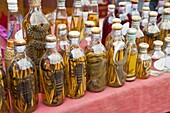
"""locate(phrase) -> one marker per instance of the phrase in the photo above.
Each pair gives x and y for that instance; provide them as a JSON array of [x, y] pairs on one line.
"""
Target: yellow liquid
[[77, 24], [163, 34], [60, 21], [139, 40], [108, 39], [94, 17]]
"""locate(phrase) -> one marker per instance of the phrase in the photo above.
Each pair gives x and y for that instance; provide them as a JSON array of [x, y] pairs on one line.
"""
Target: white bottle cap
[[12, 1]]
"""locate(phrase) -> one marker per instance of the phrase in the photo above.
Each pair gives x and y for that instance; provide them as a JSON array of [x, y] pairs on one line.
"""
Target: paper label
[[54, 58], [24, 64], [98, 49], [125, 28], [77, 53]]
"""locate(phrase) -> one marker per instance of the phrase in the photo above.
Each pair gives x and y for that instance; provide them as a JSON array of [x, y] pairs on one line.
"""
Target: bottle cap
[[136, 18], [89, 24], [116, 20], [122, 4], [34, 3], [111, 6], [117, 26], [167, 39], [11, 43], [12, 1], [74, 34], [62, 26], [134, 1], [19, 42], [167, 5], [167, 11], [153, 14], [50, 38], [95, 30], [144, 45], [147, 0], [158, 43], [131, 31], [146, 8]]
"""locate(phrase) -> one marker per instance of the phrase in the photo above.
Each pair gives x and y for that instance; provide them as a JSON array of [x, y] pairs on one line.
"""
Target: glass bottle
[[134, 10], [144, 61], [61, 15], [158, 59], [5, 105], [14, 20], [164, 25], [132, 55], [86, 41], [145, 17], [107, 22], [52, 74], [151, 30], [117, 56], [85, 8], [139, 34], [96, 63], [23, 84], [124, 19], [167, 53], [159, 9], [76, 80], [93, 14]]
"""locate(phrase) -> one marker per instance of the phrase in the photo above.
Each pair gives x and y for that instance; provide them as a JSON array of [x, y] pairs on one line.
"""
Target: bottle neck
[[20, 50], [146, 4], [74, 41], [35, 8], [134, 6], [166, 18], [77, 10], [157, 48], [143, 51], [152, 20], [131, 38], [50, 45], [136, 25], [161, 3], [61, 4], [121, 10], [111, 11], [13, 14], [62, 34], [96, 37], [88, 31], [145, 14], [117, 34], [168, 45], [94, 7]]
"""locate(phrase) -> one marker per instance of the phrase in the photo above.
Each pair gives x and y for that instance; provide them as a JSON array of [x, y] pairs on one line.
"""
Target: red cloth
[[141, 96]]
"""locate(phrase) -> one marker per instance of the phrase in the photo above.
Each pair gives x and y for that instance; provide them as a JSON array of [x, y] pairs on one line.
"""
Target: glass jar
[[145, 17], [167, 53]]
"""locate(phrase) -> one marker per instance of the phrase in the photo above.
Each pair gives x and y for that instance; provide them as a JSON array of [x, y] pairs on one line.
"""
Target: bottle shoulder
[[164, 25], [151, 28]]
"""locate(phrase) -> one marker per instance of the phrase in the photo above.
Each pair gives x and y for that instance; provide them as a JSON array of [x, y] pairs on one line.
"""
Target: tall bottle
[[167, 53], [96, 63], [164, 25], [61, 15], [23, 84], [86, 41], [52, 74], [144, 61], [93, 14], [117, 56], [5, 105], [139, 34], [14, 20], [107, 23], [134, 11], [145, 17], [159, 9], [132, 55], [151, 31], [158, 59], [76, 80]]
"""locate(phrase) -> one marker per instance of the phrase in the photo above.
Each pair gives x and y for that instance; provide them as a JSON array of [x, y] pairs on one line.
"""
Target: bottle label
[[98, 49], [77, 53], [54, 58], [125, 28], [24, 64]]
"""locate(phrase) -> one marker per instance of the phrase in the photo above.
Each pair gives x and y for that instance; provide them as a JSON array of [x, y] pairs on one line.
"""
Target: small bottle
[[52, 74], [117, 56], [96, 63], [139, 34], [144, 62], [107, 23], [86, 41], [151, 30], [159, 9], [93, 14], [23, 83], [5, 105], [61, 15], [167, 53], [132, 54], [158, 59], [77, 22], [145, 17], [164, 25], [76, 80]]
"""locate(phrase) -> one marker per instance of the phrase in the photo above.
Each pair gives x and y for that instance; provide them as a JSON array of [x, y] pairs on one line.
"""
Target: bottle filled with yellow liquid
[[158, 59], [164, 25], [76, 80], [77, 23], [151, 30], [61, 15], [144, 61], [117, 56], [23, 83], [86, 41], [5, 105], [167, 53], [96, 63], [139, 34], [93, 14], [52, 74], [132, 54]]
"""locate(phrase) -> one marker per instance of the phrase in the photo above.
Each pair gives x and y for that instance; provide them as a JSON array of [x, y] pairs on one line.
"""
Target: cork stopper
[[117, 26], [145, 8], [153, 14], [131, 31], [74, 34], [11, 43], [167, 11], [158, 43], [62, 27], [167, 39], [95, 30], [89, 24], [111, 6], [136, 18], [134, 1], [147, 0], [144, 45], [122, 4], [167, 5], [19, 42], [116, 20], [50, 38]]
